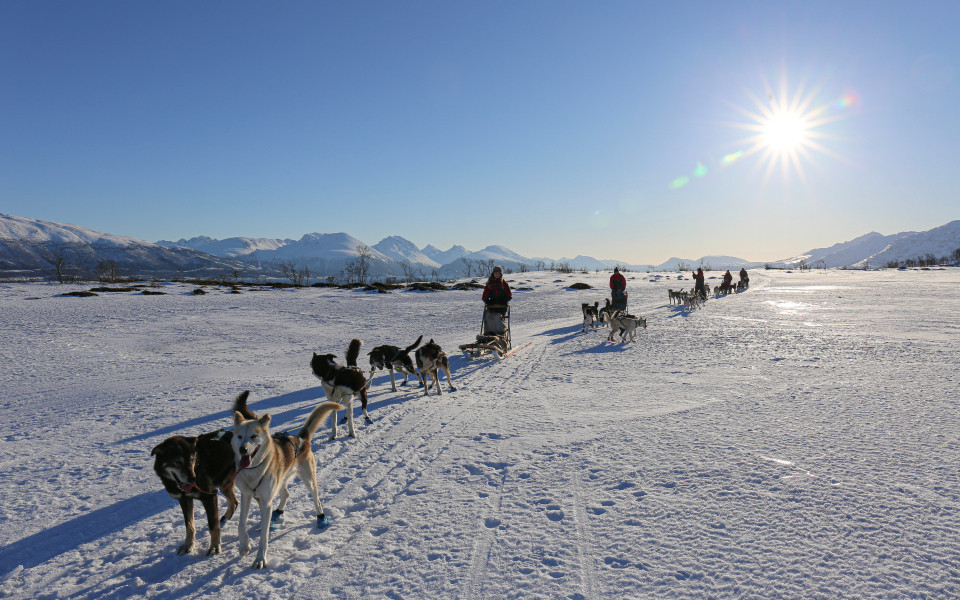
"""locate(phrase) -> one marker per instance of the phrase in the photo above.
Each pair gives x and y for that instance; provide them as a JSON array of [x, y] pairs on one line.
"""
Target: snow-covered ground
[[798, 440]]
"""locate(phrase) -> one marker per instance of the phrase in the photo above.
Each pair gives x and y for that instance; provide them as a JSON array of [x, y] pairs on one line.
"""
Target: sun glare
[[786, 129], [785, 132]]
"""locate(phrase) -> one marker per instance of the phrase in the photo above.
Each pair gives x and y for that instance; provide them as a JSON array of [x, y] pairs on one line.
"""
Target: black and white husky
[[392, 358], [591, 315], [430, 360], [341, 383]]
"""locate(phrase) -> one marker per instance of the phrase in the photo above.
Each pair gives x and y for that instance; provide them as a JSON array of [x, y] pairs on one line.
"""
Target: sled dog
[[591, 315], [194, 468], [265, 463], [605, 313], [342, 383], [430, 358], [626, 325], [392, 358]]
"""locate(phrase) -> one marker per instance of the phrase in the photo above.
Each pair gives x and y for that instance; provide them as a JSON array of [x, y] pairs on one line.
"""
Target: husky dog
[[591, 315], [430, 358], [392, 358], [341, 383], [265, 464], [606, 312], [675, 296], [626, 325], [195, 468]]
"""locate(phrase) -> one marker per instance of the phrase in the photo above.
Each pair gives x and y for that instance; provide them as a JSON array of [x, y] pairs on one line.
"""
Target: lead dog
[[342, 383], [392, 358], [265, 464], [591, 316], [430, 358], [194, 468], [627, 326]]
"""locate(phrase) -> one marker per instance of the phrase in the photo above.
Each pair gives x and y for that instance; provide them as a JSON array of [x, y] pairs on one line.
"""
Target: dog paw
[[185, 548], [213, 550], [244, 549], [260, 563], [368, 419], [223, 521], [323, 521]]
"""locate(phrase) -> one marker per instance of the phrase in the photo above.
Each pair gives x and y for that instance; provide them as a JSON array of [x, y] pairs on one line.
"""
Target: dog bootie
[[275, 519], [323, 521]]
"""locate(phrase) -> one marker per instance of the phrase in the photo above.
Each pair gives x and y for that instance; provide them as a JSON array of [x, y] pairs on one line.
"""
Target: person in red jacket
[[618, 287], [496, 295]]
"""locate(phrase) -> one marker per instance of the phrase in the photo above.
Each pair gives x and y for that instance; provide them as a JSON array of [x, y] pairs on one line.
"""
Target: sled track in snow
[[387, 464]]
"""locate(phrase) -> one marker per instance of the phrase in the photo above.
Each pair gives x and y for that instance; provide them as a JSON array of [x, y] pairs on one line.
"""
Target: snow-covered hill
[[844, 254], [446, 256], [938, 242], [34, 247], [711, 263], [235, 247], [403, 250]]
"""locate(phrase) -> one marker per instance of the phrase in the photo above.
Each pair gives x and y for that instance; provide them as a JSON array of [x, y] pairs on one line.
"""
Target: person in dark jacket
[[700, 288], [618, 289], [496, 295]]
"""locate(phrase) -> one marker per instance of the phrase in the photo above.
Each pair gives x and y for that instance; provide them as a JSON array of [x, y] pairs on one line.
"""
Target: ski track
[[734, 451]]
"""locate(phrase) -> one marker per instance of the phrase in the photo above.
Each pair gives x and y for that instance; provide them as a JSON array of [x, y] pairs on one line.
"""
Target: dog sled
[[491, 339]]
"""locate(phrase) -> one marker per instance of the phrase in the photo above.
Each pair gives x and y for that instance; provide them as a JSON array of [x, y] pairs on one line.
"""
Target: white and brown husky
[[626, 325], [265, 464], [341, 383]]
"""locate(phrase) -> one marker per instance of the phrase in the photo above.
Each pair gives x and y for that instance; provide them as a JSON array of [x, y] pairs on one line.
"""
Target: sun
[[785, 132], [786, 129]]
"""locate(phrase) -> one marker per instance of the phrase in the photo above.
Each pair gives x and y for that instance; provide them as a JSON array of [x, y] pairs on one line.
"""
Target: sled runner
[[490, 340]]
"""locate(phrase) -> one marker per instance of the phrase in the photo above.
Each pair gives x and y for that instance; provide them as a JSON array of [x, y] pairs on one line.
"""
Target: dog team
[[260, 463]]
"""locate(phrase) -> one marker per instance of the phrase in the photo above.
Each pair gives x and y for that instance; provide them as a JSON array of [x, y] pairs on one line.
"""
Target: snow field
[[798, 440]]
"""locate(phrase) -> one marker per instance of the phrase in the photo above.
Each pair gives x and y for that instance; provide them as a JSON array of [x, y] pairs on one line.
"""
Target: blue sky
[[610, 129]]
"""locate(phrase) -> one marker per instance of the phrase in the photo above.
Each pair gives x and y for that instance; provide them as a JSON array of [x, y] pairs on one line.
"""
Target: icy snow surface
[[797, 440]]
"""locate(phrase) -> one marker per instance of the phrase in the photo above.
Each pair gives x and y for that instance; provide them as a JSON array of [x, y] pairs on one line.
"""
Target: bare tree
[[297, 275], [541, 264], [484, 267], [407, 271], [468, 263], [107, 271], [364, 256], [524, 268]]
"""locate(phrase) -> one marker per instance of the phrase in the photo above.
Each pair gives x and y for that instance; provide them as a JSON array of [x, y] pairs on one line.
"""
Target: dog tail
[[240, 405], [353, 351], [316, 417], [415, 344]]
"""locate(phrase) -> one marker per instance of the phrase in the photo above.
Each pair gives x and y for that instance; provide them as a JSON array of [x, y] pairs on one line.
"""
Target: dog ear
[[265, 420], [155, 449], [237, 418]]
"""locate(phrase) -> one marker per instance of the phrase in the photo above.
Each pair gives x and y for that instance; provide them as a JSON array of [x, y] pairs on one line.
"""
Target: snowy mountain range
[[34, 247], [42, 248]]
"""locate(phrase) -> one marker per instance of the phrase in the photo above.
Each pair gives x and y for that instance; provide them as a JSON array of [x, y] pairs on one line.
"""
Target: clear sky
[[628, 130]]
